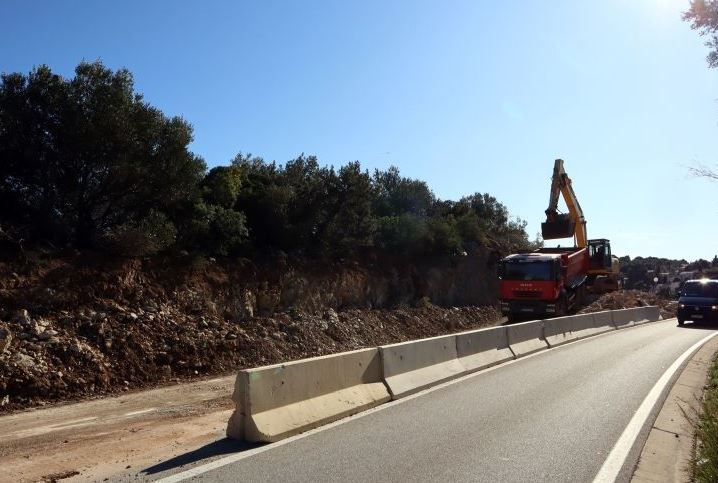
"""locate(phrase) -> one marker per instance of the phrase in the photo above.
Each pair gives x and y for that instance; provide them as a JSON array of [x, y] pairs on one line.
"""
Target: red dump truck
[[548, 281]]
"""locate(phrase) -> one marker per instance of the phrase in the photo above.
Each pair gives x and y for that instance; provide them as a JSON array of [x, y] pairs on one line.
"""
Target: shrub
[[150, 235], [399, 233]]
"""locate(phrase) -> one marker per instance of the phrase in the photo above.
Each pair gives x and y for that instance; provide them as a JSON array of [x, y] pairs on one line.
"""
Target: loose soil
[[71, 331]]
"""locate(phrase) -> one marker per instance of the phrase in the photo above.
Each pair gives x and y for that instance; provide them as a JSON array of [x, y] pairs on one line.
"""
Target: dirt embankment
[[72, 329]]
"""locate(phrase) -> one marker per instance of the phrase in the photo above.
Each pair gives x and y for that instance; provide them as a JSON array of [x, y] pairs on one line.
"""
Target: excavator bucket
[[560, 227]]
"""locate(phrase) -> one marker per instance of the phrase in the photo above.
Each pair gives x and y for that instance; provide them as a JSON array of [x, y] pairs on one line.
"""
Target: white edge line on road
[[617, 457], [227, 460]]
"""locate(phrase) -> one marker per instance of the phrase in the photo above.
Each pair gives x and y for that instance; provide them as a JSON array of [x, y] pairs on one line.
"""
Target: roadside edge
[[668, 450]]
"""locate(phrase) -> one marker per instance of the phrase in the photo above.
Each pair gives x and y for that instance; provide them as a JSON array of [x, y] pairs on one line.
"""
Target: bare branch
[[702, 171]]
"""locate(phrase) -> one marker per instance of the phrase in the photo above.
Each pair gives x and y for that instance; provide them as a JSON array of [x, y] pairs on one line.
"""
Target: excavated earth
[[70, 332]]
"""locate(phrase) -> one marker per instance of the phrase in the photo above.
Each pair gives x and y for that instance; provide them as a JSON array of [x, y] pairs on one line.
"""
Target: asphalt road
[[551, 417]]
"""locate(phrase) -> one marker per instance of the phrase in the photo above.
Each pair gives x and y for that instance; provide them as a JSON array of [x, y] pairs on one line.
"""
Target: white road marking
[[228, 460], [141, 411], [617, 457], [73, 423]]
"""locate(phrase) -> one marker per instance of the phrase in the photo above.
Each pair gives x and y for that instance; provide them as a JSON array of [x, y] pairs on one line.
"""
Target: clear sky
[[466, 95]]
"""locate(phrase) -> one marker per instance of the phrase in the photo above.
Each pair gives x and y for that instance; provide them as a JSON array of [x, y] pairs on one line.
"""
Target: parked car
[[698, 301]]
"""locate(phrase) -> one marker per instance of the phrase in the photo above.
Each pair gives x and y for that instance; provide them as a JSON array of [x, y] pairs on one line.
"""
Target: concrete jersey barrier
[[623, 318], [649, 313], [479, 349], [274, 402], [603, 321], [278, 401], [526, 338], [412, 366], [635, 316], [653, 313], [566, 329]]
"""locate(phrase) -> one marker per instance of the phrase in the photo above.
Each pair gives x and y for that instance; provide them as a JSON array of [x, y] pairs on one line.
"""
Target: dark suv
[[699, 301]]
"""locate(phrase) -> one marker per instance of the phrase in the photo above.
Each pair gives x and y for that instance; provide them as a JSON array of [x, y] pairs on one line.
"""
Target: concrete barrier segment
[[526, 338], [623, 318], [281, 400], [635, 316], [653, 313], [561, 330], [412, 366], [603, 321], [479, 349], [648, 313], [566, 329]]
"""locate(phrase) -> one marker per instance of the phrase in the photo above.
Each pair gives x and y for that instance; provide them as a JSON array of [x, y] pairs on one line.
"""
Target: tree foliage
[[703, 17], [81, 157], [85, 161]]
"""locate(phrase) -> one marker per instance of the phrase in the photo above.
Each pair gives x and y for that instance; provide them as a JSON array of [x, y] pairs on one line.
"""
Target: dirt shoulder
[[97, 439]]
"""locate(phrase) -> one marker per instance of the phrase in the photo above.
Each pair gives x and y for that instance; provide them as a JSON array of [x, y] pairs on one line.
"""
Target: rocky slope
[[73, 327]]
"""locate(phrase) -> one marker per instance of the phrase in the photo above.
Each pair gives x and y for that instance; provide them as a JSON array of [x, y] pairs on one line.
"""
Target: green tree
[[82, 157], [221, 185], [350, 222], [396, 195], [402, 234], [443, 235]]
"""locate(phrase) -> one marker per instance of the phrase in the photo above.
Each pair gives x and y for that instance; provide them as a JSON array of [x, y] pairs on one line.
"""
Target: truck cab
[[549, 281]]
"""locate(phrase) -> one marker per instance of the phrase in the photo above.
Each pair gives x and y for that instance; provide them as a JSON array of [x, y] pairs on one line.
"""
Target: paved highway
[[554, 416]]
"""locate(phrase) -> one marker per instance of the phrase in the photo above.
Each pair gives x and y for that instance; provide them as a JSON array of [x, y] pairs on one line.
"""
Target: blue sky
[[466, 95]]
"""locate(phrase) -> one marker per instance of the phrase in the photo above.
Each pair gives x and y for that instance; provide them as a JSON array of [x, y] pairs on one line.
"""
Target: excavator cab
[[603, 267], [599, 253]]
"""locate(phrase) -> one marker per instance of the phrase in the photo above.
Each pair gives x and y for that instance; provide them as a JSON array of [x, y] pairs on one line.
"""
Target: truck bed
[[558, 250]]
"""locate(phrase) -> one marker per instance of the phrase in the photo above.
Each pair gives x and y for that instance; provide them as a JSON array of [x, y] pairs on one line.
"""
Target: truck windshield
[[528, 271], [698, 289]]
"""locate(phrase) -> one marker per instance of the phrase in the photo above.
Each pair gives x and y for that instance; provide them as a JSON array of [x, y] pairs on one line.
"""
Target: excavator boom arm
[[564, 226]]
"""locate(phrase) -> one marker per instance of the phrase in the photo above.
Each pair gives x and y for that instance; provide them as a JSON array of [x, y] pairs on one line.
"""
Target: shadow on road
[[216, 448], [699, 325]]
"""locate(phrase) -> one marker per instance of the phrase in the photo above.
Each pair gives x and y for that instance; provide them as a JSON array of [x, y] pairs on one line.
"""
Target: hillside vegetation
[[86, 162]]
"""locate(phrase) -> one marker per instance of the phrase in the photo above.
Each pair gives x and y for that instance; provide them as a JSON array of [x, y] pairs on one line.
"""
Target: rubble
[[106, 332]]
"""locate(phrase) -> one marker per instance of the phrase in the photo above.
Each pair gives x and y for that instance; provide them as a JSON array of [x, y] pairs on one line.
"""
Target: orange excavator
[[554, 281], [603, 270]]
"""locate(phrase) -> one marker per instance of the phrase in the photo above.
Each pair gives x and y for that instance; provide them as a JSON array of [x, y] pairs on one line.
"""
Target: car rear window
[[698, 289]]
